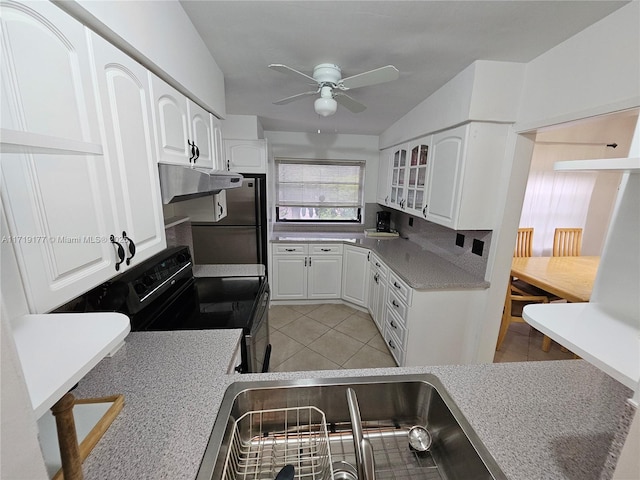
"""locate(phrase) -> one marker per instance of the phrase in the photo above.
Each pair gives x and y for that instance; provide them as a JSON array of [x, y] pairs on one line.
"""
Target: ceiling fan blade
[[278, 67], [284, 101], [372, 77], [349, 103]]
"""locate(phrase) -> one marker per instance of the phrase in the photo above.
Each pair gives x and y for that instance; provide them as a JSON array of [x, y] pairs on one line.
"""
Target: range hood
[[179, 182]]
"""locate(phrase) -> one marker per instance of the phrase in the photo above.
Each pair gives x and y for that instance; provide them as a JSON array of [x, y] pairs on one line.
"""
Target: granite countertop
[[540, 420], [420, 268]]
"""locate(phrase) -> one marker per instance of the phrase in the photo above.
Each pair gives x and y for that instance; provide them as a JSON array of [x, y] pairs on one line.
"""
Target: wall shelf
[[599, 336], [57, 350], [631, 165]]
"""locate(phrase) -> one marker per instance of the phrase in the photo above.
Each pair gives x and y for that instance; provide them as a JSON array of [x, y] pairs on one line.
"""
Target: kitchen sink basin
[[311, 419]]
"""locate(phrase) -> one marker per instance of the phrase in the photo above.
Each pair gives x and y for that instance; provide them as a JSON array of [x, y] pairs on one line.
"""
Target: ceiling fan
[[331, 86]]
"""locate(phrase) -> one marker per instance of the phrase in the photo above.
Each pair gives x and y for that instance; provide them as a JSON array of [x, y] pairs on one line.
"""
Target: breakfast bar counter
[[539, 420]]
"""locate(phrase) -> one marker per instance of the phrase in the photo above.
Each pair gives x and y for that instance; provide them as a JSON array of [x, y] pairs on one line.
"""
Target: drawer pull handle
[[391, 344], [378, 265], [395, 304], [325, 249], [393, 324], [395, 284], [290, 249]]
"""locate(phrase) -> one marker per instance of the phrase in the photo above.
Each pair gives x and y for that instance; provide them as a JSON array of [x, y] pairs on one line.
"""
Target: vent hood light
[[179, 182]]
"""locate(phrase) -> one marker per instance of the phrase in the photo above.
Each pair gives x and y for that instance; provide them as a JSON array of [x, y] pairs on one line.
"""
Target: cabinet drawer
[[397, 306], [396, 325], [377, 265], [325, 249], [401, 289], [289, 249], [394, 346]]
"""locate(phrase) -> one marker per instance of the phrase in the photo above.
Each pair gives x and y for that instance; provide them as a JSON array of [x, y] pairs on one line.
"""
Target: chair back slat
[[524, 243], [567, 242]]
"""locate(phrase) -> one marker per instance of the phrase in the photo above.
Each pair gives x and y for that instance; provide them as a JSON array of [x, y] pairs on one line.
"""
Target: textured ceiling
[[428, 41]]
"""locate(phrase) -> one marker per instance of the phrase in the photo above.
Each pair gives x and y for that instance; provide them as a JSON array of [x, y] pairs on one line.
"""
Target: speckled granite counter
[[420, 268], [540, 420]]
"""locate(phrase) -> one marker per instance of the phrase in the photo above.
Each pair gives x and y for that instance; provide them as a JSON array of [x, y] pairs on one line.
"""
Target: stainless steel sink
[[389, 407]]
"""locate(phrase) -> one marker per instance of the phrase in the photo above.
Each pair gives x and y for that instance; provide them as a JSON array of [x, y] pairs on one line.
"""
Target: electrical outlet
[[459, 240], [478, 246], [411, 221]]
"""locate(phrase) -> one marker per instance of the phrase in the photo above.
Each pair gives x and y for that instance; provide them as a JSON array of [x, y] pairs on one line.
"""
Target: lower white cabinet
[[355, 280], [378, 272], [306, 271]]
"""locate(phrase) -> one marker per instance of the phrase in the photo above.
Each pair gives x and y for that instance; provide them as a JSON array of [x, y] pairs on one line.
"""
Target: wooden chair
[[524, 243], [567, 242], [513, 305]]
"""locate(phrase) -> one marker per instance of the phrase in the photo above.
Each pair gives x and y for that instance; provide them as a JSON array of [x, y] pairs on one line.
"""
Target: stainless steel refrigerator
[[240, 237]]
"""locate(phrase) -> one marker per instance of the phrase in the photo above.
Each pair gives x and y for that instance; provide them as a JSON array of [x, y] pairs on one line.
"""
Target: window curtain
[[557, 199]]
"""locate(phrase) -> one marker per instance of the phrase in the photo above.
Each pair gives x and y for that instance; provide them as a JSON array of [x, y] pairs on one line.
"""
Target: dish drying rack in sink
[[264, 441]]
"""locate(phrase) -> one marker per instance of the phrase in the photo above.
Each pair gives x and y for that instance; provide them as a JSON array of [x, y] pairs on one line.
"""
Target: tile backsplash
[[442, 241]]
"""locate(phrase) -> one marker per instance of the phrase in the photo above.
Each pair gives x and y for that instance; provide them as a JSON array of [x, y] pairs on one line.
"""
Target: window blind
[[320, 185]]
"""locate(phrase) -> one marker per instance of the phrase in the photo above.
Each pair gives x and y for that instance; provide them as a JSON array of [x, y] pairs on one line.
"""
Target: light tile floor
[[324, 337], [335, 336], [524, 343]]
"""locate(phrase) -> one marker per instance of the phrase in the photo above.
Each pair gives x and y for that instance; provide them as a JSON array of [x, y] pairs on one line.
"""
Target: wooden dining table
[[570, 278]]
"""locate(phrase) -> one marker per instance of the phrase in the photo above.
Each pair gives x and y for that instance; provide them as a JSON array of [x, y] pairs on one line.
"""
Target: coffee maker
[[383, 221]]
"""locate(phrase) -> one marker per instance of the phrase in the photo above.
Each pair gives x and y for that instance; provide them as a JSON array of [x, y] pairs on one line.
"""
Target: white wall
[[594, 72], [162, 34], [246, 127], [331, 147]]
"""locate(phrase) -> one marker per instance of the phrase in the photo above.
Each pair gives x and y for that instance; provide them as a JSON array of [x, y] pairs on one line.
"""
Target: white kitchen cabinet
[[398, 175], [246, 156], [355, 278], [383, 192], [58, 207], [417, 176], [45, 79], [123, 92], [378, 274], [184, 132], [219, 162], [465, 171], [306, 271]]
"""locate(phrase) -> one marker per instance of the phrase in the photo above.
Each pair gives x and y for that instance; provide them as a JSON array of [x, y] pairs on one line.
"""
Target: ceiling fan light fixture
[[325, 106]]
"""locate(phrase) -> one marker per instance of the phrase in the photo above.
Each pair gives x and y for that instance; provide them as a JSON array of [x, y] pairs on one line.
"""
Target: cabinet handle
[[309, 261], [424, 211], [378, 265], [325, 249], [393, 325], [290, 249], [193, 151], [376, 278], [386, 200], [197, 154], [368, 256], [228, 165], [395, 284], [391, 344], [119, 250], [132, 247], [221, 209], [395, 304]]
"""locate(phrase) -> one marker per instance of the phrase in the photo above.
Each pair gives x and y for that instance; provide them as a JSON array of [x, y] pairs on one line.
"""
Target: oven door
[[256, 342]]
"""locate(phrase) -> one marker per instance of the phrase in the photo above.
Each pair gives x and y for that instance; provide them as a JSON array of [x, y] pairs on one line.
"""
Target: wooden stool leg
[[67, 438], [546, 344]]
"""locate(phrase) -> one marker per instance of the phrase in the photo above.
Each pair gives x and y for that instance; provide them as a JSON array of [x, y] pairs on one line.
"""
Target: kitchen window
[[319, 191]]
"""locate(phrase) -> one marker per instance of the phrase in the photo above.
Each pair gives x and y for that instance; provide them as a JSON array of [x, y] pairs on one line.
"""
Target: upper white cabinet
[[246, 156], [58, 207], [417, 175], [464, 175], [45, 83], [123, 94], [398, 175], [383, 192], [185, 134]]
